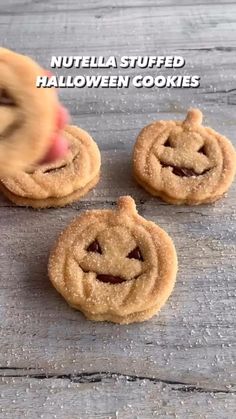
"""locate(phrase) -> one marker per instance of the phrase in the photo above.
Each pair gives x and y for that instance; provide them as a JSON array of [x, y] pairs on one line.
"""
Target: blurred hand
[[59, 145]]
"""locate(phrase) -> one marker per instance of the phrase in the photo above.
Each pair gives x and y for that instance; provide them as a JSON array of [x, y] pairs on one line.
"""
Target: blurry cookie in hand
[[62, 181], [31, 119]]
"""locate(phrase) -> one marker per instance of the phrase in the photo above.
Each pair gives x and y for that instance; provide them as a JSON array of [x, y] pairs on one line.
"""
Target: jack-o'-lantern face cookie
[[28, 115], [61, 182], [114, 265], [184, 162]]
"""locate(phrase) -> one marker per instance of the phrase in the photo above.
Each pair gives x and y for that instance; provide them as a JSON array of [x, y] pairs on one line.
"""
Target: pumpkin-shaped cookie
[[184, 162], [114, 265], [61, 182], [28, 115]]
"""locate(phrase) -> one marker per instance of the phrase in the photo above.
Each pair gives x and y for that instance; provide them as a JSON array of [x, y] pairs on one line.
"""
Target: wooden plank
[[74, 5], [67, 27], [104, 396]]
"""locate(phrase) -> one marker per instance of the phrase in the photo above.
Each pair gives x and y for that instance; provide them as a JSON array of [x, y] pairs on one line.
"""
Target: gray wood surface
[[181, 364]]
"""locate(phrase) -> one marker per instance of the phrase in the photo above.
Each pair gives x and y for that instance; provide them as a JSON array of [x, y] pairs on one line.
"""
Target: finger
[[58, 149]]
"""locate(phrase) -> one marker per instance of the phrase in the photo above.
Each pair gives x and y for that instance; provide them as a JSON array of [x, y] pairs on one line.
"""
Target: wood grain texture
[[180, 364], [109, 396]]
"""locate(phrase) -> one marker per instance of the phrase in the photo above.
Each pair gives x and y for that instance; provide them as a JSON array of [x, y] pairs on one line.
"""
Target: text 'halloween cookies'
[[184, 162], [61, 182], [114, 265], [30, 118]]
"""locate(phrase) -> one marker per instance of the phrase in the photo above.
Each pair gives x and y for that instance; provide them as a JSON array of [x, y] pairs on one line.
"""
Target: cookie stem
[[126, 204], [193, 118]]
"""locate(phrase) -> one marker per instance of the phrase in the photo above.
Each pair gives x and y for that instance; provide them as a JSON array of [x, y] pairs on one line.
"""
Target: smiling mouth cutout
[[56, 168], [95, 247], [110, 279], [184, 171]]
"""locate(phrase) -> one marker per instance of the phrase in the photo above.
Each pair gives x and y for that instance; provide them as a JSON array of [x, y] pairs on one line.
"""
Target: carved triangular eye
[[94, 247], [202, 150], [135, 254], [167, 143]]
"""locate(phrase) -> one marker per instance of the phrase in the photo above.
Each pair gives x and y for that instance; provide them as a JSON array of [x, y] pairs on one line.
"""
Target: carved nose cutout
[[135, 254], [94, 247]]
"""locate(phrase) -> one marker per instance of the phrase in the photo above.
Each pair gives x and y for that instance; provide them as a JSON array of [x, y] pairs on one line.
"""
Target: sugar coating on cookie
[[27, 115], [184, 162], [114, 265], [61, 182]]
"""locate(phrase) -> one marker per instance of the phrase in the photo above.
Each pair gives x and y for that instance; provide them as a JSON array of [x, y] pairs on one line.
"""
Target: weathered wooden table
[[56, 364]]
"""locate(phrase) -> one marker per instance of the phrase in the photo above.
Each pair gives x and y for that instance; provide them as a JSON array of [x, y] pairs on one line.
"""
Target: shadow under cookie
[[170, 200], [49, 202]]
